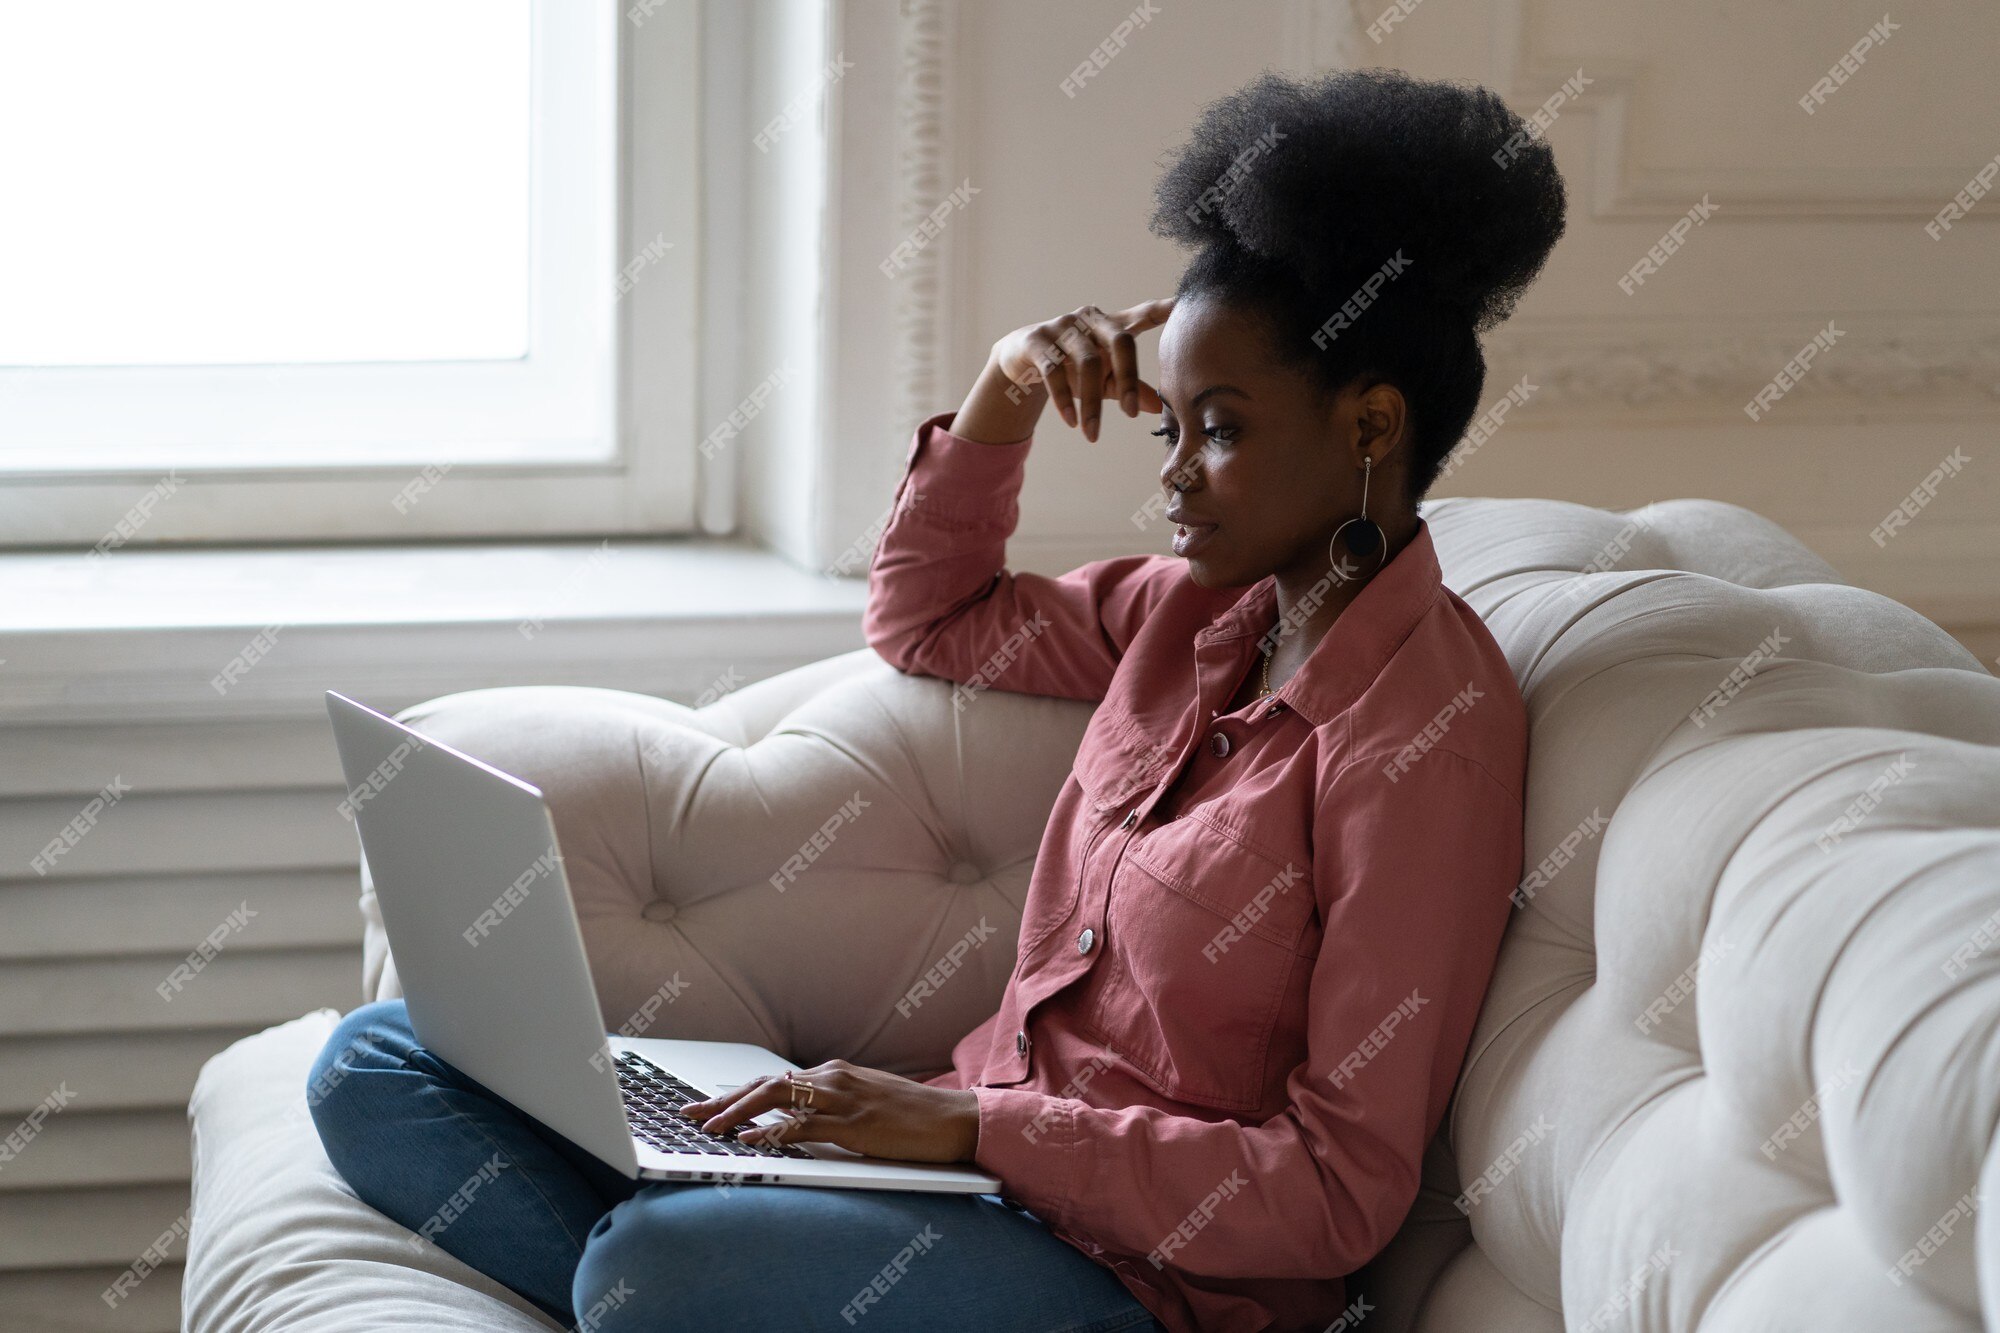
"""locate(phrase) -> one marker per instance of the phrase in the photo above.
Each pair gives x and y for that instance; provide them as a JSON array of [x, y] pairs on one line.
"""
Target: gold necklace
[[1267, 674]]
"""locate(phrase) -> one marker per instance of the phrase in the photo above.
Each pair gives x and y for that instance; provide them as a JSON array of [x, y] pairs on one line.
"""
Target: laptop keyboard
[[653, 1101]]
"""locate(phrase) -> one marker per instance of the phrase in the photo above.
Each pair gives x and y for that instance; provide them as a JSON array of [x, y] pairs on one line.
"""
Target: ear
[[1381, 417]]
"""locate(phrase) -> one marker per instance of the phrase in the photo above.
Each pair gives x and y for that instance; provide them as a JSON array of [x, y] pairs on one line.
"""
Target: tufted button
[[1219, 744], [966, 873], [1084, 940], [1021, 1042], [659, 910]]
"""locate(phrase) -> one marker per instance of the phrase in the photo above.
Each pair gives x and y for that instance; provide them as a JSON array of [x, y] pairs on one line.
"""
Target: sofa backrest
[[1741, 1054]]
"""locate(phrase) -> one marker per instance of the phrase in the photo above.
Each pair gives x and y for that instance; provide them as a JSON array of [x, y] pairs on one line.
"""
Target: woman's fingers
[[1122, 350], [1087, 367], [1050, 360], [745, 1103], [1147, 314]]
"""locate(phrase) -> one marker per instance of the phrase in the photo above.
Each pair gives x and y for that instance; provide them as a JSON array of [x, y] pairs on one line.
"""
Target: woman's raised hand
[[1082, 357]]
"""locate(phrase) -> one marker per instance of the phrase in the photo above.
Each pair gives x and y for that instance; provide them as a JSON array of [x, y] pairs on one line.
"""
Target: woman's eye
[[1220, 434]]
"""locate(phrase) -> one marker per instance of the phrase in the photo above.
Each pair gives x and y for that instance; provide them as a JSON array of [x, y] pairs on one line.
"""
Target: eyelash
[[1218, 434]]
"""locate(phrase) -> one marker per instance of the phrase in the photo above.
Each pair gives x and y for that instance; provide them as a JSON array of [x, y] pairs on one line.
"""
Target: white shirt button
[[1084, 940], [1219, 743]]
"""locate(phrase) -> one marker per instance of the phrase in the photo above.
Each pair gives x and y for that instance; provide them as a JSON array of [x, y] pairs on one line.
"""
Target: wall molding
[[1929, 365]]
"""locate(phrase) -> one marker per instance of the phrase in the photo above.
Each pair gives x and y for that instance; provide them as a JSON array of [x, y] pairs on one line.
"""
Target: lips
[[1190, 535]]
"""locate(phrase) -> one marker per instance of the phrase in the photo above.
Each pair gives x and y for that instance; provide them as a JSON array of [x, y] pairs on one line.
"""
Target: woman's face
[[1267, 472]]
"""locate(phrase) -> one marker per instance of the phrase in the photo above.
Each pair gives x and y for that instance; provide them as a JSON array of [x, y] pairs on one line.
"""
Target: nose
[[1179, 469]]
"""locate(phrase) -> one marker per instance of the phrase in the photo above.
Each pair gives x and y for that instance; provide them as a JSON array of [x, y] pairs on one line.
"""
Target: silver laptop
[[470, 880]]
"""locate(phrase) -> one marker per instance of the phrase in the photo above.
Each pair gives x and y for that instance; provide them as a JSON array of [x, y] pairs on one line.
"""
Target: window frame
[[633, 471]]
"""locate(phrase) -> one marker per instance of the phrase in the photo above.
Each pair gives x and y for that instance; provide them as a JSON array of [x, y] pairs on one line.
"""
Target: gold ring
[[796, 1084]]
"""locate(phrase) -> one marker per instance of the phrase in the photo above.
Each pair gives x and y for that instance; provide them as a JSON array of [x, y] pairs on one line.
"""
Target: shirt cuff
[[1025, 1138], [964, 478]]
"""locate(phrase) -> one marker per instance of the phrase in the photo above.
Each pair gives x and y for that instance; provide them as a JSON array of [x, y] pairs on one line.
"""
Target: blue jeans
[[426, 1145]]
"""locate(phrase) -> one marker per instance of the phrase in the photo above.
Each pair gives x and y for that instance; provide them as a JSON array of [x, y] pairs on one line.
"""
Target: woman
[[1269, 899]]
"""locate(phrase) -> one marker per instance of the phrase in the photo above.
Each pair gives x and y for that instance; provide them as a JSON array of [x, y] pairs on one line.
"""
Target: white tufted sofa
[[1740, 1059]]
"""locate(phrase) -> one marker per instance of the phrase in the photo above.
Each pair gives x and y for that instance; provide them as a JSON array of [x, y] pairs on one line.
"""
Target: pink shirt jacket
[[1254, 943]]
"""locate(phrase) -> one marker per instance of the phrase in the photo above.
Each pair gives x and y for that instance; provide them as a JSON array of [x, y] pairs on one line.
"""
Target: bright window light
[[231, 182]]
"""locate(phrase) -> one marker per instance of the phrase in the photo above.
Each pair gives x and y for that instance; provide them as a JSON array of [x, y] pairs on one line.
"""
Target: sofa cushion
[[277, 1240]]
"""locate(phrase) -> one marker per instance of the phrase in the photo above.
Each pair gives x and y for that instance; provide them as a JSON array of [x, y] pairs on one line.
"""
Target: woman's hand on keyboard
[[863, 1110]]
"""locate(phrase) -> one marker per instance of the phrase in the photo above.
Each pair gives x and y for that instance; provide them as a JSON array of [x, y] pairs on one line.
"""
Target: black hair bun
[[1333, 177]]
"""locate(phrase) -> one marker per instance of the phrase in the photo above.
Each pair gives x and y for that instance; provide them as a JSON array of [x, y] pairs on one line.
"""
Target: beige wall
[[1818, 217]]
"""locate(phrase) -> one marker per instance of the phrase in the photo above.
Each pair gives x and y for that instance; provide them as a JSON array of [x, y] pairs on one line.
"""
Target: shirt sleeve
[[1413, 879], [941, 602]]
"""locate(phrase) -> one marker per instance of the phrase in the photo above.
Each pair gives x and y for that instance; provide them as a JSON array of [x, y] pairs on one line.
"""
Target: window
[[300, 270]]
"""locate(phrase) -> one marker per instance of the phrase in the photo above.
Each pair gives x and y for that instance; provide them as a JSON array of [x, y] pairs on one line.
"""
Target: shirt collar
[[1351, 654]]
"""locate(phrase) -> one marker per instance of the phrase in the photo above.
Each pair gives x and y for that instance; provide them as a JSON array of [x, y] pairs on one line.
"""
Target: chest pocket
[[1118, 760], [1203, 937]]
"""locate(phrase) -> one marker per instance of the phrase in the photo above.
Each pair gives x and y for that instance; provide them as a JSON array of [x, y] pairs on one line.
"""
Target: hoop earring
[[1367, 539]]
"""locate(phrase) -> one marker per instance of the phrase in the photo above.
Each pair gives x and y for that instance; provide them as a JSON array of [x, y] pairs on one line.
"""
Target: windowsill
[[146, 633]]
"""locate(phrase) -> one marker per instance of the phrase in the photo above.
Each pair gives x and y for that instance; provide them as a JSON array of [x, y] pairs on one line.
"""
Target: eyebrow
[[1211, 391]]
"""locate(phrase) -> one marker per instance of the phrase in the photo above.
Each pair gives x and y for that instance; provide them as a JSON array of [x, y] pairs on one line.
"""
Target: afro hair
[[1296, 194]]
